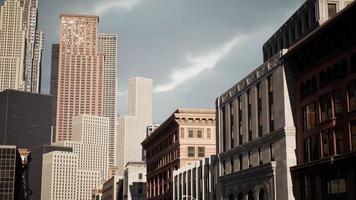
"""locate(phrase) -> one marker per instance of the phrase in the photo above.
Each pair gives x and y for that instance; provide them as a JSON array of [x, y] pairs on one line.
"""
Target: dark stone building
[[323, 66], [25, 121]]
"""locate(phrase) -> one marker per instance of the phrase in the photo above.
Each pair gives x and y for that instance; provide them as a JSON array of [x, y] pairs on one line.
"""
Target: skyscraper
[[108, 46], [20, 46], [80, 72], [89, 142], [12, 45], [132, 128]]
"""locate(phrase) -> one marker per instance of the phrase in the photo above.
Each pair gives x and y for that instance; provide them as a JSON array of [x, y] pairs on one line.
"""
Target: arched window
[[240, 196], [261, 194], [250, 196]]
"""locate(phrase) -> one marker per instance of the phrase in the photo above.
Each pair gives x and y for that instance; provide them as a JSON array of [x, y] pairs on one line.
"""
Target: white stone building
[[134, 187], [256, 136], [132, 127], [197, 180], [59, 176]]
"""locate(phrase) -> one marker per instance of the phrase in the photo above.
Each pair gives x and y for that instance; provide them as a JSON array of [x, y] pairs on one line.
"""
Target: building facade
[[197, 180], [256, 136], [59, 176], [307, 18], [80, 72], [110, 188], [134, 187], [186, 136], [323, 66], [108, 46], [132, 127]]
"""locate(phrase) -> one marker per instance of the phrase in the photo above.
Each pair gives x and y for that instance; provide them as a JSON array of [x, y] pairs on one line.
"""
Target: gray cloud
[[155, 37]]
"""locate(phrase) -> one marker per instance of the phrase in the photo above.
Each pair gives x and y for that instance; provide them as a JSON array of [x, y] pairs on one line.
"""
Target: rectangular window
[[240, 120], [201, 151], [208, 133], [353, 134], [223, 128], [259, 156], [328, 142], [338, 103], [309, 117], [191, 151], [351, 90], [271, 151], [325, 107], [241, 162], [190, 133], [231, 106], [199, 134], [340, 142], [182, 133], [332, 9], [140, 176], [259, 109], [336, 182], [249, 159], [232, 164], [270, 103], [311, 149], [249, 113]]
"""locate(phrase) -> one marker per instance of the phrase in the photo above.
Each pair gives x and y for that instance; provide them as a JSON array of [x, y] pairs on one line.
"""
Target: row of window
[[200, 150]]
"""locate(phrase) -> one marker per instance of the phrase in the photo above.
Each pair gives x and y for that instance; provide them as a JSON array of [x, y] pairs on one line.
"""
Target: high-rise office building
[[80, 72], [20, 46], [108, 46], [90, 140], [59, 176], [132, 128], [12, 45], [34, 46]]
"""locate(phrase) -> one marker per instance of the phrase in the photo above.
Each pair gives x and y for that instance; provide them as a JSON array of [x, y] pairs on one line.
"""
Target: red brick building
[[323, 71]]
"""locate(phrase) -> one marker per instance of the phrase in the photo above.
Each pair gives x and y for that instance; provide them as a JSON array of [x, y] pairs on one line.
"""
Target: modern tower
[[12, 45], [108, 46], [132, 128], [80, 72]]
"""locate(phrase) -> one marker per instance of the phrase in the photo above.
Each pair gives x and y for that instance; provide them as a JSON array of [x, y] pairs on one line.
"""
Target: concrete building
[[59, 176], [20, 46], [11, 50], [186, 136], [197, 180], [307, 18], [132, 127], [324, 84], [110, 188], [97, 193], [25, 121], [256, 136], [108, 46], [134, 181], [80, 72], [13, 174], [54, 86]]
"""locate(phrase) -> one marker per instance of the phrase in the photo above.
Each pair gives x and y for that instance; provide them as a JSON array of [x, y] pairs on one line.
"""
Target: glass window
[[208, 133], [353, 134], [311, 149], [340, 143], [190, 133], [201, 151], [309, 113], [332, 10], [271, 151], [325, 107], [327, 142], [338, 103], [199, 133], [351, 88], [336, 182], [191, 151]]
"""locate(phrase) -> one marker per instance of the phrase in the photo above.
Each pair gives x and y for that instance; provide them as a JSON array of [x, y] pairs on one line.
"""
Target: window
[[249, 159], [140, 176], [336, 182], [259, 109], [191, 151], [199, 134], [353, 134], [208, 133], [190, 133], [271, 151], [249, 115], [240, 162], [240, 119], [340, 146], [311, 149], [270, 103], [232, 164], [231, 106], [325, 107], [327, 137], [223, 128], [338, 103], [201, 151], [351, 89], [182, 133], [259, 156], [332, 10], [309, 116]]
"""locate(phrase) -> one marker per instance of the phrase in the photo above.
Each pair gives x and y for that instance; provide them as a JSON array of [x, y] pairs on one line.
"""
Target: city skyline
[[179, 47]]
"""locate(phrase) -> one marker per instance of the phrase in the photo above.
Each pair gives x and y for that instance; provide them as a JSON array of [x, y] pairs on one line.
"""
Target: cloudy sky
[[194, 50]]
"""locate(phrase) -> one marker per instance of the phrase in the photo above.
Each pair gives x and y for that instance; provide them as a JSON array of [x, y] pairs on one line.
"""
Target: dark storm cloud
[[178, 43]]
